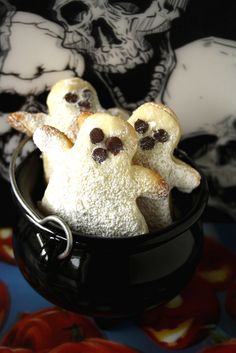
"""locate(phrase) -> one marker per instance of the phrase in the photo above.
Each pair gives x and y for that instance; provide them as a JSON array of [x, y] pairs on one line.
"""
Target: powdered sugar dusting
[[100, 198], [160, 158]]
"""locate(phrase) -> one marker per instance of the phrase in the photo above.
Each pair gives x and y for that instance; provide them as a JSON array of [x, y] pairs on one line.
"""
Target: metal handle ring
[[30, 211]]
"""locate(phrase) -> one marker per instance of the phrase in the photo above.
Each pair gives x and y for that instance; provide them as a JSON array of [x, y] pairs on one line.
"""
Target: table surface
[[219, 274]]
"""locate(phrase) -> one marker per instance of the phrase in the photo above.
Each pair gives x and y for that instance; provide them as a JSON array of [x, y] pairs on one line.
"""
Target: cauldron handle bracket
[[30, 212], [66, 228]]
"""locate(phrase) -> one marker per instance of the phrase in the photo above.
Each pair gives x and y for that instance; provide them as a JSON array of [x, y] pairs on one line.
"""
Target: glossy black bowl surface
[[106, 277]]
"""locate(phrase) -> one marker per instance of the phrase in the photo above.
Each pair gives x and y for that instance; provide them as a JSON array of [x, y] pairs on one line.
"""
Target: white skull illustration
[[11, 100], [213, 149], [25, 83], [123, 37]]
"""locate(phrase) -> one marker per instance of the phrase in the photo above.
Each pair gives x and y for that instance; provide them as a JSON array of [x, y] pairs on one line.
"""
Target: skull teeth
[[156, 85], [129, 63], [178, 4]]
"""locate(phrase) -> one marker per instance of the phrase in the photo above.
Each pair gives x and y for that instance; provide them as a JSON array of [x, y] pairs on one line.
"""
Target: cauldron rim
[[168, 233]]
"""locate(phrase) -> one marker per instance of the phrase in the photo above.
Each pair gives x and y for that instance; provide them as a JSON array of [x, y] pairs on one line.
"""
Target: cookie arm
[[50, 140], [53, 145], [184, 177], [26, 122], [149, 183]]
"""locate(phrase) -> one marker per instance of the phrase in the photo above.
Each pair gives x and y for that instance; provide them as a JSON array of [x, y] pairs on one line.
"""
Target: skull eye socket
[[226, 152], [131, 7], [197, 146], [11, 102], [73, 12], [42, 97], [168, 7]]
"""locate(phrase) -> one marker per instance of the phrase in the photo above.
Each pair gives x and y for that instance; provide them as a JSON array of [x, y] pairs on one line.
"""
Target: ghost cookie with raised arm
[[66, 100], [69, 103], [95, 187], [159, 132]]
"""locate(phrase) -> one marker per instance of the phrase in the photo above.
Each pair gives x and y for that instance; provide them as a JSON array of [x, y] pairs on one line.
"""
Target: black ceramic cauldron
[[103, 277]]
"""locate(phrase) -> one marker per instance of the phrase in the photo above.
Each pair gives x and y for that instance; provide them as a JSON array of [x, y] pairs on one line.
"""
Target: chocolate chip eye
[[114, 145], [141, 126], [87, 94], [147, 143], [161, 135], [99, 154], [71, 97], [96, 135]]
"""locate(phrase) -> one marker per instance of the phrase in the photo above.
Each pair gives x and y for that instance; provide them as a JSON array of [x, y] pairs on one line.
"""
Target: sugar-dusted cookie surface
[[159, 132], [95, 186], [66, 100], [69, 102]]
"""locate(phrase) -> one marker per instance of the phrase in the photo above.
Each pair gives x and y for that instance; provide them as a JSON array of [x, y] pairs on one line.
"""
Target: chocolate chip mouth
[[147, 143], [161, 135], [99, 154], [84, 102]]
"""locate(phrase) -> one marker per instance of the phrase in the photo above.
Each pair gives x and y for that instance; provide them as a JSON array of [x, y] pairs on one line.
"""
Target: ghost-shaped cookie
[[159, 132], [66, 100], [69, 102], [95, 185]]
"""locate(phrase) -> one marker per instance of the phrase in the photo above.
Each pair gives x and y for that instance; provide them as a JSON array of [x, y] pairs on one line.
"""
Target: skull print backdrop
[[214, 150], [27, 74], [122, 41], [126, 49], [125, 41]]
